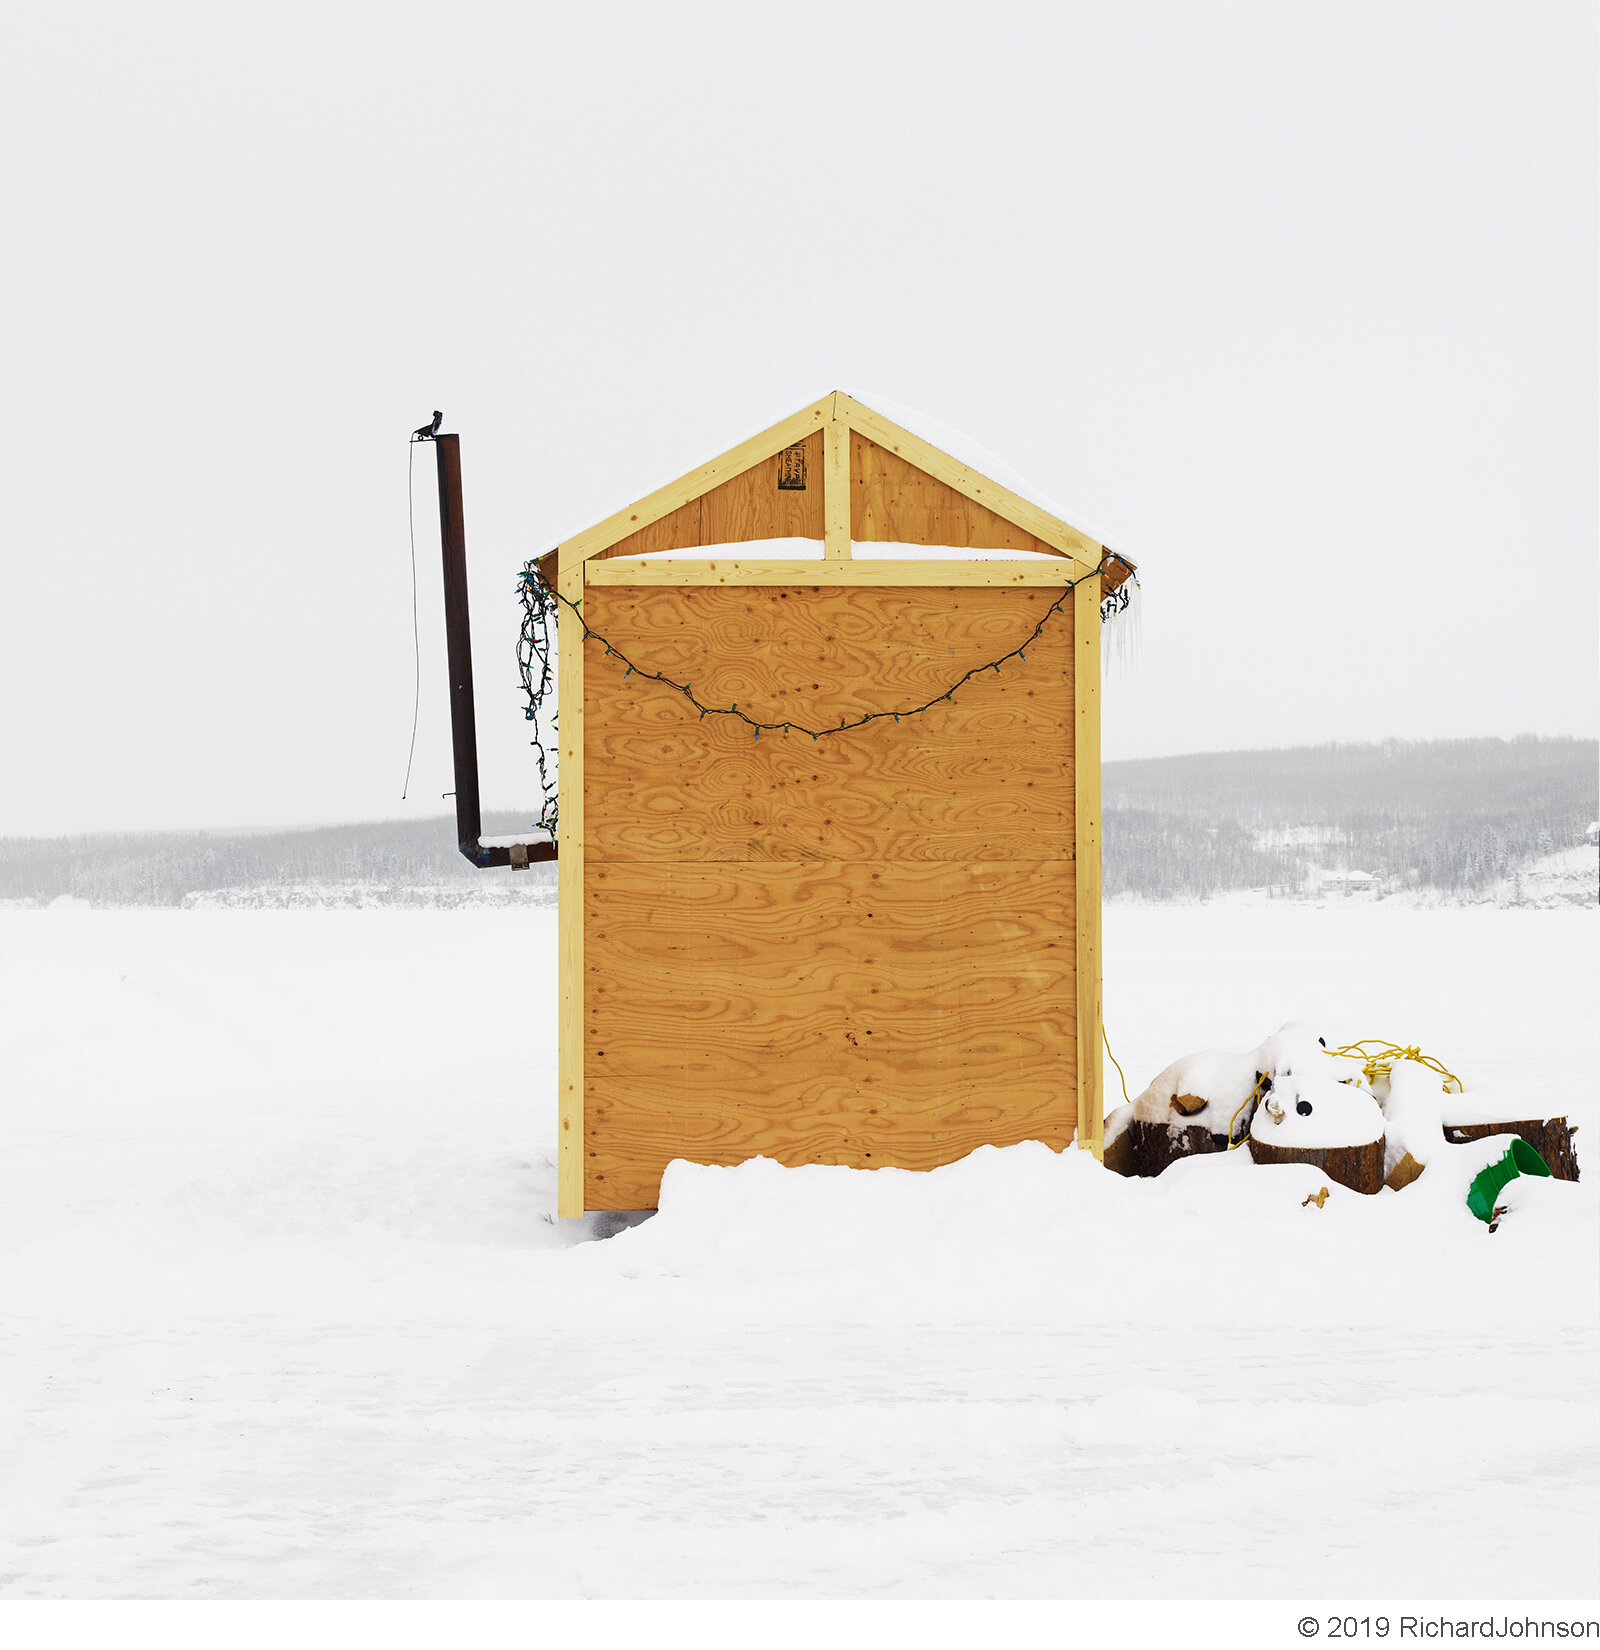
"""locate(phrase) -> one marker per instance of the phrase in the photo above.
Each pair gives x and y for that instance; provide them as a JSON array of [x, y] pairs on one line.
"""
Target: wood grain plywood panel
[[985, 776], [860, 1012], [893, 502], [749, 506], [680, 530], [754, 506]]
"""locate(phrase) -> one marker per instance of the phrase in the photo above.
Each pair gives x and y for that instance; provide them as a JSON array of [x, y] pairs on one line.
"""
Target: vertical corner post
[[836, 490], [1086, 790], [569, 874], [458, 643]]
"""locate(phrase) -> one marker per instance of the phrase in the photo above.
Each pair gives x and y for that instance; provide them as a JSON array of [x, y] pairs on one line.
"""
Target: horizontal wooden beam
[[626, 571]]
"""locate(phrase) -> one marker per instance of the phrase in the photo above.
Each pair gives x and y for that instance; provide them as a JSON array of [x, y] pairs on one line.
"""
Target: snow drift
[[1060, 1237]]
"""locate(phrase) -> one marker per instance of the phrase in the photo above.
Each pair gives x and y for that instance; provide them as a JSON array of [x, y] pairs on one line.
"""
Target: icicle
[[1121, 631]]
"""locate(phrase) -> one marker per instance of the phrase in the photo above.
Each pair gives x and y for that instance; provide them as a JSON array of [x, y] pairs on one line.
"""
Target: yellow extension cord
[[1117, 1063], [1377, 1060], [1381, 1063], [1231, 1121], [1261, 1083]]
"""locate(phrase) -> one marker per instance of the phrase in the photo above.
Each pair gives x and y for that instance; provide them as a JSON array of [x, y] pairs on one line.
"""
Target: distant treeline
[[162, 868], [1452, 815], [1164, 855]]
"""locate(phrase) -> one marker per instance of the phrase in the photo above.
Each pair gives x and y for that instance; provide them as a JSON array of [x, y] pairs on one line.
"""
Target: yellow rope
[[1116, 1063], [1378, 1057], [1261, 1080]]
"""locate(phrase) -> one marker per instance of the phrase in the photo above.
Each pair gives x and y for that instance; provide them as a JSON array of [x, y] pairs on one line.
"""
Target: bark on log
[[1143, 1149], [1550, 1137], [1358, 1167]]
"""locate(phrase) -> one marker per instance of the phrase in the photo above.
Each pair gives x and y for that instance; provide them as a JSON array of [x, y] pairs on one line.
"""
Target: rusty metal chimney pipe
[[458, 645]]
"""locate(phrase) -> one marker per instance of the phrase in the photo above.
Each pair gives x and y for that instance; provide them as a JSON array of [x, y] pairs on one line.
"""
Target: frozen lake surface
[[284, 1310]]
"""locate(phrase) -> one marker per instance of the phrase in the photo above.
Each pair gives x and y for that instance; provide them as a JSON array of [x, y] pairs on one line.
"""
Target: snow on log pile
[[1365, 1124], [1311, 1115]]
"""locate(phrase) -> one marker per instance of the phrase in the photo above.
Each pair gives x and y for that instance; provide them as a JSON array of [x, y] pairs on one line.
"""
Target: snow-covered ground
[[285, 1313], [371, 896]]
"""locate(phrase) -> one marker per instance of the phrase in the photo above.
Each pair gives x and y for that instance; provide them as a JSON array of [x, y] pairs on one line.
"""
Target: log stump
[[1358, 1167], [1143, 1149], [1550, 1137]]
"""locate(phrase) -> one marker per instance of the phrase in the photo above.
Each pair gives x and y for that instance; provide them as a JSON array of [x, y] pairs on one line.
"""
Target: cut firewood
[[1118, 1154], [1550, 1137], [1403, 1173], [1188, 1104], [1358, 1167], [1142, 1150]]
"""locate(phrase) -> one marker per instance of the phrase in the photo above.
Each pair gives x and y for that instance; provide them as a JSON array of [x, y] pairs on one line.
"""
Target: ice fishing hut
[[829, 812]]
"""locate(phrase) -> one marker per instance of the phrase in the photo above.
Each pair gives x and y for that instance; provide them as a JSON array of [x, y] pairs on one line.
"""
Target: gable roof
[[951, 459]]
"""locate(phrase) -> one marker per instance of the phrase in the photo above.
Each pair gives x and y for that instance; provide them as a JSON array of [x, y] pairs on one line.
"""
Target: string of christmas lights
[[536, 653]]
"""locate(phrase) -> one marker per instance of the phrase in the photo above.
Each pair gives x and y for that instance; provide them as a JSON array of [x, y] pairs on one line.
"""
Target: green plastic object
[[1520, 1158]]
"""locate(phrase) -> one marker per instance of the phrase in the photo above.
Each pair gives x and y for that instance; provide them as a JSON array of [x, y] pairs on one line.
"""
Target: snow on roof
[[745, 550], [811, 550]]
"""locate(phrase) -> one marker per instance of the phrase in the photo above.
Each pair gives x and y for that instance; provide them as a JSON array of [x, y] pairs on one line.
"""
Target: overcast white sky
[[1299, 301]]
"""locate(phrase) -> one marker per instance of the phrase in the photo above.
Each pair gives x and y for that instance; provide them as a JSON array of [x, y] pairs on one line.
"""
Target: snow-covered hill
[[1455, 821]]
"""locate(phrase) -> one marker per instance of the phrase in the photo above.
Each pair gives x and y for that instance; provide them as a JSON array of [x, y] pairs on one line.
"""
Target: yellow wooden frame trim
[[676, 494], [1086, 793], [569, 884], [940, 465], [836, 490], [860, 571]]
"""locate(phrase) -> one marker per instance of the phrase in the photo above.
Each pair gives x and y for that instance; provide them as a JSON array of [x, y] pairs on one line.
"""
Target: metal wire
[[416, 631]]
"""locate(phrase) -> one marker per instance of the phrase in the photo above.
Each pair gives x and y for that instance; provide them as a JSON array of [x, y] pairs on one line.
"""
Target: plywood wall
[[858, 949]]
